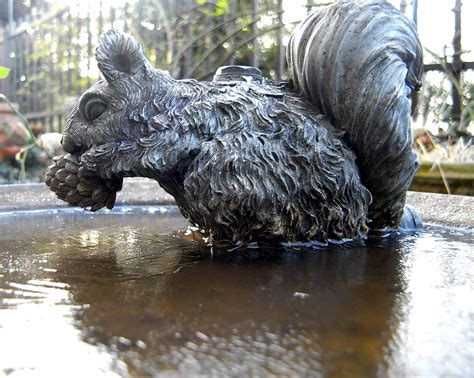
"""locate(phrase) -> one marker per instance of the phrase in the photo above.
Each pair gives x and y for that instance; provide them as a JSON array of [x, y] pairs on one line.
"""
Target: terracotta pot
[[12, 133]]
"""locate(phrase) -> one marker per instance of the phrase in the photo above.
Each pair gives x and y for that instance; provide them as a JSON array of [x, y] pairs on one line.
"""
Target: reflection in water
[[124, 295], [36, 323], [436, 310]]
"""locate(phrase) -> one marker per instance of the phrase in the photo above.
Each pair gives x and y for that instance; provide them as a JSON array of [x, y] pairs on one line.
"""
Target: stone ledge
[[444, 209], [434, 208], [137, 191]]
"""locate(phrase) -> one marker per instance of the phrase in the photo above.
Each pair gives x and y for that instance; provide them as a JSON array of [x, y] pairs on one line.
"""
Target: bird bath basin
[[120, 293]]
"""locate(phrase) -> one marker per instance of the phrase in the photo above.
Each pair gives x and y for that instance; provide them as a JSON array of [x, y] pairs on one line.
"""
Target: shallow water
[[122, 294]]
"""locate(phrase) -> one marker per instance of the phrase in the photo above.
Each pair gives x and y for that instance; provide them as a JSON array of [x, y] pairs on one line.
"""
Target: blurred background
[[47, 60]]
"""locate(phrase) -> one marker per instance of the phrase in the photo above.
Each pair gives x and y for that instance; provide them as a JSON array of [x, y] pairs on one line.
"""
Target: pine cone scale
[[79, 187]]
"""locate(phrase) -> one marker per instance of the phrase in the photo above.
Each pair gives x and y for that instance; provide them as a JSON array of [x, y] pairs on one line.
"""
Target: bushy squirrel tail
[[358, 63]]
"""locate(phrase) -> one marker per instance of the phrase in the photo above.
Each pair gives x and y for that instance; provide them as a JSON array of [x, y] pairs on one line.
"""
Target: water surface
[[123, 294]]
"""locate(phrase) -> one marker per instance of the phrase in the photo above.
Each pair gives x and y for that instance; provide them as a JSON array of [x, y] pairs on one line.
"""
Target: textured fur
[[245, 161], [358, 63]]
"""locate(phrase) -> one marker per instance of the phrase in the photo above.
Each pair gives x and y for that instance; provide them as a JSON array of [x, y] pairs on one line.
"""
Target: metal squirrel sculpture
[[324, 156]]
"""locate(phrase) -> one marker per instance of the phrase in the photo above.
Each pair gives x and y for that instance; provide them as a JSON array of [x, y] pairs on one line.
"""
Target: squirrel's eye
[[94, 108]]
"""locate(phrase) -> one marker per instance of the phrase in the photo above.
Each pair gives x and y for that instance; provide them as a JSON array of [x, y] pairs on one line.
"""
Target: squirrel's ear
[[119, 54]]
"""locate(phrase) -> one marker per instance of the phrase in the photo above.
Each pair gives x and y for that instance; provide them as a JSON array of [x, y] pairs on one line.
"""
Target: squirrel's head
[[113, 116]]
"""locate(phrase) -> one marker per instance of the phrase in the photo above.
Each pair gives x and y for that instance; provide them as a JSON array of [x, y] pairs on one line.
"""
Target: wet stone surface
[[123, 294]]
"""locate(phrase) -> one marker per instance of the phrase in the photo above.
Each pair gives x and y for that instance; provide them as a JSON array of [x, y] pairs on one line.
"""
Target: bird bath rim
[[443, 209]]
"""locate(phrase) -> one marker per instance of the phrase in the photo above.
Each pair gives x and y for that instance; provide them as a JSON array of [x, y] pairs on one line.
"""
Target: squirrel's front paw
[[76, 185]]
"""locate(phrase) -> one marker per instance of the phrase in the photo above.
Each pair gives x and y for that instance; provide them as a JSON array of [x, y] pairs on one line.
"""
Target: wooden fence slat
[[41, 78]]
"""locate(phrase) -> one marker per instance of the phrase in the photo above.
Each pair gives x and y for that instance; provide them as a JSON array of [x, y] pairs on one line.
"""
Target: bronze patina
[[326, 155]]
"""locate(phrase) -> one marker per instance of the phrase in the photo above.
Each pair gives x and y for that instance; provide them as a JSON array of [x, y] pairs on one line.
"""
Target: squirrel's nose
[[69, 146]]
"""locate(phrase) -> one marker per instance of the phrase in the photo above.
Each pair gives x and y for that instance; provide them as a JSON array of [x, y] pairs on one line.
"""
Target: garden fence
[[51, 50]]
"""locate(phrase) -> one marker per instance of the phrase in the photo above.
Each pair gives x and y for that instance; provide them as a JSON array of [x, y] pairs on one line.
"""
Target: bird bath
[[120, 293], [323, 157]]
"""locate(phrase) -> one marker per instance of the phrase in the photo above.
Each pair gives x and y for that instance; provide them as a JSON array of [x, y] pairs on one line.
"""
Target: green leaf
[[221, 7], [4, 71]]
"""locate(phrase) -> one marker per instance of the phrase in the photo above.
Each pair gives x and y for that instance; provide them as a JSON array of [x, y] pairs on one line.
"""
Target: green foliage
[[222, 7], [437, 101], [4, 72], [467, 115], [435, 106], [187, 38], [193, 40]]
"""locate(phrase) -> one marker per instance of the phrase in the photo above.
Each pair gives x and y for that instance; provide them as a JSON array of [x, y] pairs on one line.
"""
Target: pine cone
[[79, 187]]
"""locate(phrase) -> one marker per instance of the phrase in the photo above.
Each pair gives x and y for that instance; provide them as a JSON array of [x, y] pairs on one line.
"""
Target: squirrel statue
[[324, 156]]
